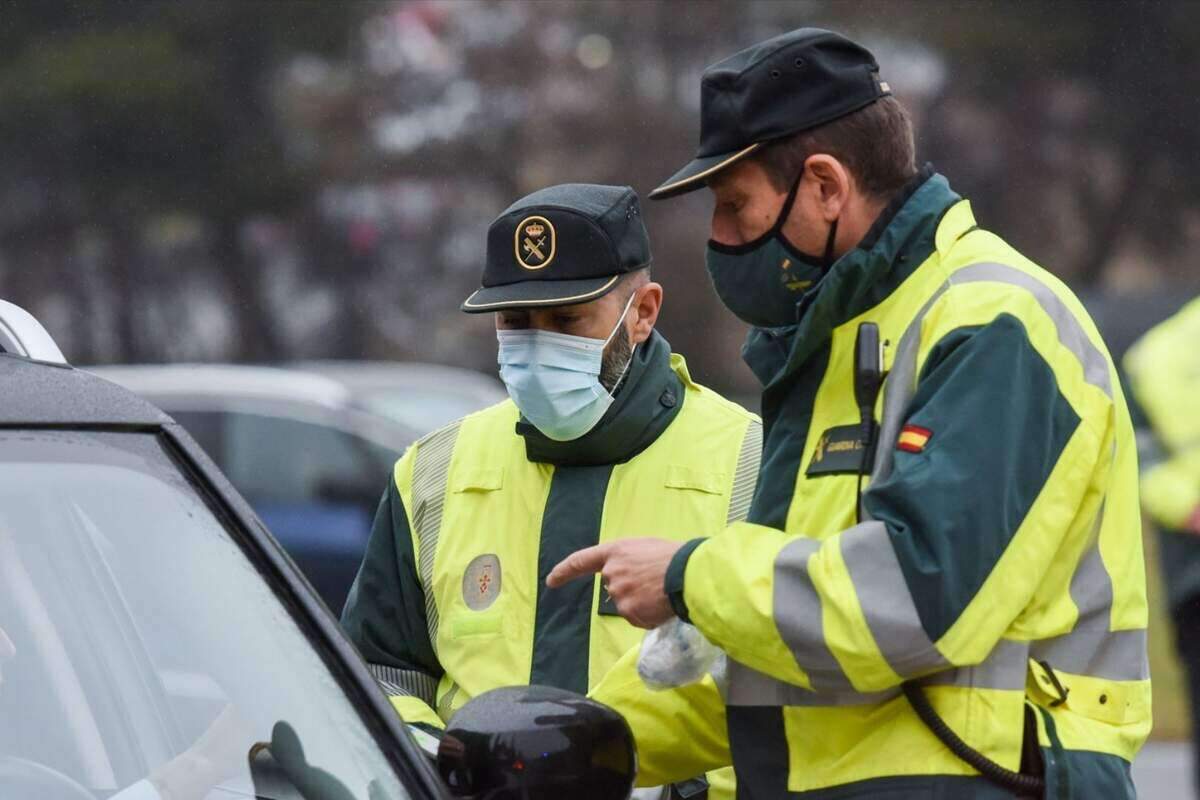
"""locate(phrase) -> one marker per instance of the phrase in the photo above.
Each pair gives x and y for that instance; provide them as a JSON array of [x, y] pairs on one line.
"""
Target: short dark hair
[[875, 144], [632, 281]]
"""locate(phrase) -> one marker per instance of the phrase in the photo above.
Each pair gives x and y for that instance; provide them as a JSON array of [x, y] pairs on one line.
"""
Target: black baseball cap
[[776, 88], [560, 246]]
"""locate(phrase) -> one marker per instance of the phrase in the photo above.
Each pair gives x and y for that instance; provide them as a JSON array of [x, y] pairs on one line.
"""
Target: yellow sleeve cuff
[[414, 710]]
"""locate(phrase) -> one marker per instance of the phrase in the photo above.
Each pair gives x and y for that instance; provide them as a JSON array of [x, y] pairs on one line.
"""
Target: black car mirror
[[537, 743], [280, 770]]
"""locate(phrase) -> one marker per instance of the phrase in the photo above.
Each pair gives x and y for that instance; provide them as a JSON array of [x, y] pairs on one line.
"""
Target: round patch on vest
[[481, 582]]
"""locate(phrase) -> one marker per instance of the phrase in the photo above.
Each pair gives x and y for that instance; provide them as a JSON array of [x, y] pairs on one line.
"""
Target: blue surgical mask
[[762, 281], [554, 378]]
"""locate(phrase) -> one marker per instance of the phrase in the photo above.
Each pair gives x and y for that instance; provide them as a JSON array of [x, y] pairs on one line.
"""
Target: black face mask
[[761, 281]]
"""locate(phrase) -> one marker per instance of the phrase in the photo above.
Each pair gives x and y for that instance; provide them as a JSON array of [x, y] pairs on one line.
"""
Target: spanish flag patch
[[913, 438]]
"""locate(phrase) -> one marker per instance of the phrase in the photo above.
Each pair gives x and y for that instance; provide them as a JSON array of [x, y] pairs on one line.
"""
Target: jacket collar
[[896, 244], [644, 406]]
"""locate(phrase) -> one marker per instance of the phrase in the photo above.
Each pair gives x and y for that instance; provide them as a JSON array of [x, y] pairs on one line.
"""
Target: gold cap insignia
[[535, 242]]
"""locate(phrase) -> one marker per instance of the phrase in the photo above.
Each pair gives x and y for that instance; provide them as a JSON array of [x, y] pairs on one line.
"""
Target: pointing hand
[[632, 571]]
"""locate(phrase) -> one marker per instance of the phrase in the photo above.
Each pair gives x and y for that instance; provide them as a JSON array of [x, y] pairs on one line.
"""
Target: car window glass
[[145, 646], [279, 460], [205, 428]]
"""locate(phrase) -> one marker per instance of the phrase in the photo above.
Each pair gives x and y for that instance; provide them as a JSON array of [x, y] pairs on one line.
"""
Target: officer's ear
[[828, 183], [643, 312]]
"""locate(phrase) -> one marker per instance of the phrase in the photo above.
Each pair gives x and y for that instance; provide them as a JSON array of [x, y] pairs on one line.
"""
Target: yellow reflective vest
[[1163, 368], [451, 599], [995, 560], [1163, 371]]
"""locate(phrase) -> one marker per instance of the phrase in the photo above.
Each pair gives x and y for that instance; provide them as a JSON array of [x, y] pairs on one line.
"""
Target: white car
[[422, 396], [310, 461]]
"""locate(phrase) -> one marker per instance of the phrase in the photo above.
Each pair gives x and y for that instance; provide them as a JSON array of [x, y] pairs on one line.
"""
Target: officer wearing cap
[[605, 433], [939, 589]]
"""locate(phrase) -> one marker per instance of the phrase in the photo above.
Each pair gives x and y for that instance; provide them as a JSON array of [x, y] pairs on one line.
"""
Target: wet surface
[[1163, 770]]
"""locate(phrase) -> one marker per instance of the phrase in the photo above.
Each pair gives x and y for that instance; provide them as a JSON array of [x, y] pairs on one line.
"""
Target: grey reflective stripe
[[1098, 653], [886, 601], [405, 682], [446, 704], [430, 472], [1092, 648], [745, 474], [1070, 332], [797, 608], [1091, 587], [898, 391], [1004, 668], [750, 688]]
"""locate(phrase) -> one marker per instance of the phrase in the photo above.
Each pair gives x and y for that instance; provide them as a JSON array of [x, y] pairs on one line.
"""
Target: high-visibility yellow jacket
[[997, 558], [1163, 371], [1163, 368], [451, 599]]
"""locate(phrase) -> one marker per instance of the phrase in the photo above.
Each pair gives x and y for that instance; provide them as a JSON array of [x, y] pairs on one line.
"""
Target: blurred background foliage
[[261, 181], [267, 181]]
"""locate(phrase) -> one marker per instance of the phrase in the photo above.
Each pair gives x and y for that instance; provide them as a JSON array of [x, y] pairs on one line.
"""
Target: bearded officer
[[605, 433], [976, 626]]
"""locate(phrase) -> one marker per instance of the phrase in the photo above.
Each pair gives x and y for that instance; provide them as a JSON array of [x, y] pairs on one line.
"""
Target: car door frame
[[311, 614]]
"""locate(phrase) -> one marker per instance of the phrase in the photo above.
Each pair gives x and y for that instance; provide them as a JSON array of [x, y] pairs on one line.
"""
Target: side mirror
[[537, 743]]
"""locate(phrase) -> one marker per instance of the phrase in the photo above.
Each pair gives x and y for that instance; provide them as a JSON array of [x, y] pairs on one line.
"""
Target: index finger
[[580, 563]]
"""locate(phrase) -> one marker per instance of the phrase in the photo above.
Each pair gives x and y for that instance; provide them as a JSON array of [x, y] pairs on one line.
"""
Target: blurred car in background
[[422, 396], [311, 464], [311, 446]]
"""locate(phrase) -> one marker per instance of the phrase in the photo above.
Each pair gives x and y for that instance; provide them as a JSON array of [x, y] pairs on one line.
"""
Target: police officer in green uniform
[[605, 433], [939, 589]]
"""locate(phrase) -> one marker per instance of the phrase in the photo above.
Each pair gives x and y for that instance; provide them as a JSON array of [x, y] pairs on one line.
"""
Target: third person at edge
[[994, 567]]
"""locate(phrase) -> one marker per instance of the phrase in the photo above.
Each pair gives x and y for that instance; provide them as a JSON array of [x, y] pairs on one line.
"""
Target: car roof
[[161, 381], [38, 393], [375, 375]]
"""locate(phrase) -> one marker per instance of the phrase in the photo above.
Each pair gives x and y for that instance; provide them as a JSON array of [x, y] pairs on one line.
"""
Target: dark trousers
[[1187, 641]]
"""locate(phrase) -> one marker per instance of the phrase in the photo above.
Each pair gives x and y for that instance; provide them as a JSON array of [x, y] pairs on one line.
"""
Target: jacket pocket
[[466, 624], [481, 479], [681, 477]]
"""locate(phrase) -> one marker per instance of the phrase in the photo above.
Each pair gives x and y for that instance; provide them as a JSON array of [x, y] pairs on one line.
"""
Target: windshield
[[141, 653]]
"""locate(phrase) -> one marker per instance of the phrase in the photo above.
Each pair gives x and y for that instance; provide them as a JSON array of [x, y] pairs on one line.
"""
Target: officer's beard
[[615, 363]]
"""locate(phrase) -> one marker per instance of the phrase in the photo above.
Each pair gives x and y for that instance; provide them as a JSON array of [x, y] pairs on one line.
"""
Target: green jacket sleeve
[[961, 532], [385, 615]]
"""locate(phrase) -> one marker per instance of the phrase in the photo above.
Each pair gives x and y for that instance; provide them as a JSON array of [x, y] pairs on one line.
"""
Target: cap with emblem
[[777, 88], [561, 245]]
